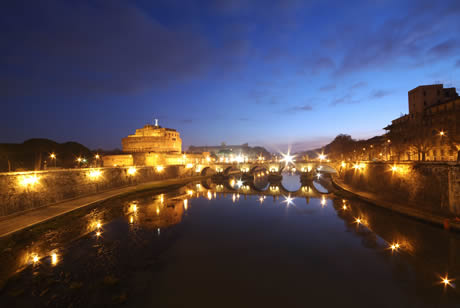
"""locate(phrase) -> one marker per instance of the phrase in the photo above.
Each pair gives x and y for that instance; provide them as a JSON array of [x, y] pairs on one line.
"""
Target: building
[[225, 152], [431, 130], [153, 145], [423, 97], [153, 138]]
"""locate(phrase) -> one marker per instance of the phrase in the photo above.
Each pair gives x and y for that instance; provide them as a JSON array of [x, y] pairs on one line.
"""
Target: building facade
[[153, 145], [431, 130], [153, 138]]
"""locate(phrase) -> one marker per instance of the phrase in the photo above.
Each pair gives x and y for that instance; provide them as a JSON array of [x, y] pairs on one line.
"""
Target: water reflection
[[411, 261]]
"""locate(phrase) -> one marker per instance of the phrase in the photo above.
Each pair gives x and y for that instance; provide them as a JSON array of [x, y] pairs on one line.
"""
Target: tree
[[421, 140]]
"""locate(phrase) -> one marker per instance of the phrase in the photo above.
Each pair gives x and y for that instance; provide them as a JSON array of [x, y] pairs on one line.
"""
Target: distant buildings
[[225, 152], [431, 130]]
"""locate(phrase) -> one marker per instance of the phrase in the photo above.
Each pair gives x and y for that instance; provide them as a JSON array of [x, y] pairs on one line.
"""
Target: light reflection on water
[[212, 237]]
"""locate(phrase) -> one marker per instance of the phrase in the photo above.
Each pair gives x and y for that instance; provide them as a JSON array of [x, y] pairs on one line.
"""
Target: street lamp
[[53, 157], [79, 159], [97, 156], [321, 157]]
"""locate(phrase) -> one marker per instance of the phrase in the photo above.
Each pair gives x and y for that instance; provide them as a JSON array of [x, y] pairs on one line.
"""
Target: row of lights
[[394, 246], [31, 180]]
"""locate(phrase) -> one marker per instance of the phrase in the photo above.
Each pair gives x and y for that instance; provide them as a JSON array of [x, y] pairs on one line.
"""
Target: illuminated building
[[431, 130], [153, 138]]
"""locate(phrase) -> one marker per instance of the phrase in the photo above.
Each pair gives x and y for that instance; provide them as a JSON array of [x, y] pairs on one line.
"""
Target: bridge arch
[[229, 169], [207, 171]]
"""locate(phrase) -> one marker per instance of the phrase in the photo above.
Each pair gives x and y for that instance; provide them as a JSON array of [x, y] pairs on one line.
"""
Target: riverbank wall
[[21, 191], [430, 187]]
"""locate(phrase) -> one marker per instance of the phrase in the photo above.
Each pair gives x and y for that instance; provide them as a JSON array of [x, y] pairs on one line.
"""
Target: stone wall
[[434, 187], [21, 191]]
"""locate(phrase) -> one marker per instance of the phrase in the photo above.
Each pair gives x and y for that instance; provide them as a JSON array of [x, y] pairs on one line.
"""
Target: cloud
[[380, 93], [83, 48], [305, 106], [345, 99], [329, 87], [457, 64], [187, 121], [302, 108], [323, 63], [243, 119], [405, 40], [445, 48], [361, 84], [263, 96]]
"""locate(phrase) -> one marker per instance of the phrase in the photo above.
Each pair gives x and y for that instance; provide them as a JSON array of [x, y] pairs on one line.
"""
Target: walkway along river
[[198, 246]]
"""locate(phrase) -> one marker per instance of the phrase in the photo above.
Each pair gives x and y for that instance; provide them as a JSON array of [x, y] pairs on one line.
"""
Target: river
[[215, 245]]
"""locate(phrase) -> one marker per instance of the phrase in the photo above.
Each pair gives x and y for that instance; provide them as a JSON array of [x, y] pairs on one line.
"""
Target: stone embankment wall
[[21, 191], [434, 187]]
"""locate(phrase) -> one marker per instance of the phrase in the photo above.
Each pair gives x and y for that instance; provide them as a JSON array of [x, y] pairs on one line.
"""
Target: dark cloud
[[323, 63], [346, 99], [328, 87], [303, 108], [444, 48], [358, 85], [380, 93], [263, 96], [74, 47], [406, 39], [300, 108]]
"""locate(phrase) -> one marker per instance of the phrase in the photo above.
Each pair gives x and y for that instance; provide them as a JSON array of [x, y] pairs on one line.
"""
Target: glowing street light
[[132, 170], [394, 246], [287, 158], [321, 157], [441, 133], [53, 157], [446, 281], [35, 259], [54, 258]]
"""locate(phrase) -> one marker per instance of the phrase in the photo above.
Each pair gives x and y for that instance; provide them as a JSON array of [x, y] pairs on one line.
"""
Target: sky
[[278, 74]]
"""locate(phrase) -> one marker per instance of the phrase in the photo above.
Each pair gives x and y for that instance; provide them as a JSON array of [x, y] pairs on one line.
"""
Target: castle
[[152, 145]]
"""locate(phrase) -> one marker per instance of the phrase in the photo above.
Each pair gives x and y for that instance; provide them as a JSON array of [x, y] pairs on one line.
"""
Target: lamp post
[[79, 162], [97, 159], [389, 149], [53, 157]]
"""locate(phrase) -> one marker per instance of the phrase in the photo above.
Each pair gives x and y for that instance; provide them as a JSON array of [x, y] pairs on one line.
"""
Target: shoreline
[[421, 215], [29, 218]]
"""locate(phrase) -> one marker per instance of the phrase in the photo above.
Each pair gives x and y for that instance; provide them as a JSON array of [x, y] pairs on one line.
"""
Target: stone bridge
[[255, 169], [221, 184]]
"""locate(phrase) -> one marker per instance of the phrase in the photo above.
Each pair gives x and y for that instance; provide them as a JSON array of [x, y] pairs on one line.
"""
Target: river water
[[231, 245]]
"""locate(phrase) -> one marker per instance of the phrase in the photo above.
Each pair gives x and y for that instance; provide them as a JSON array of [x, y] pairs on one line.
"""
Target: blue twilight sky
[[271, 73]]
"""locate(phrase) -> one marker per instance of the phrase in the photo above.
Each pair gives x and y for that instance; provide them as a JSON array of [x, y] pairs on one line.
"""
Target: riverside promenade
[[19, 221], [423, 215]]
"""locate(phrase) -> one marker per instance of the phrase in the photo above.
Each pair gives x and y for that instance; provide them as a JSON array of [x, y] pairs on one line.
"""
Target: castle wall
[[21, 191], [434, 187]]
